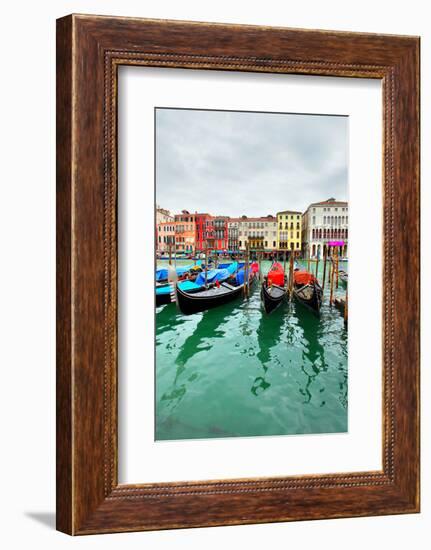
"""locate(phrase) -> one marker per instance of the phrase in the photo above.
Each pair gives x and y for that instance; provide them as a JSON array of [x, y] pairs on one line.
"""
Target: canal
[[234, 371]]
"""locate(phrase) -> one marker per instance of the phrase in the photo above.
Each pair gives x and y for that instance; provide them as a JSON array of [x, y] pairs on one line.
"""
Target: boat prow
[[272, 296]]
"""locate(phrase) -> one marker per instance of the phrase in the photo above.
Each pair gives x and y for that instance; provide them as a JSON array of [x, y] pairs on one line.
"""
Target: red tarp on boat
[[303, 277], [276, 275]]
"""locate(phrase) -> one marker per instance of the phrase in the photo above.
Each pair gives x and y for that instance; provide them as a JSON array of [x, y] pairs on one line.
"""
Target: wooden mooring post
[[291, 265], [246, 278], [331, 296], [325, 254], [206, 263], [346, 313], [260, 267], [336, 266]]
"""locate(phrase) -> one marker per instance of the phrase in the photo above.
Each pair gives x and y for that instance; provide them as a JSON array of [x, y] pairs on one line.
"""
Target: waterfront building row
[[305, 234]]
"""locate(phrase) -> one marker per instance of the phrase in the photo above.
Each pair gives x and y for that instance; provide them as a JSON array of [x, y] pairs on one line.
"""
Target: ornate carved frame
[[89, 51]]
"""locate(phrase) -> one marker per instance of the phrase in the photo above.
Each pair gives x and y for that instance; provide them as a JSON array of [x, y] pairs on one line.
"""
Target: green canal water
[[234, 371]]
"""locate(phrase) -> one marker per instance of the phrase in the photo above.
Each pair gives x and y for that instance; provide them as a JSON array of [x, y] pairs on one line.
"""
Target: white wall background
[[27, 279]]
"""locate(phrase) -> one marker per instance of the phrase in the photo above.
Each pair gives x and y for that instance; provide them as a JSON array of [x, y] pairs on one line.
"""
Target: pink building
[[165, 236]]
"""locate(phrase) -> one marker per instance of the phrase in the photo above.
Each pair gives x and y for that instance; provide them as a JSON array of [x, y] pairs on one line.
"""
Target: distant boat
[[274, 288], [181, 271], [216, 295], [228, 264], [307, 291], [343, 276]]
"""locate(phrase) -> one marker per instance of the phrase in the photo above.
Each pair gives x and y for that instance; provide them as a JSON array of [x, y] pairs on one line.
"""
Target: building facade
[[220, 224], [289, 231], [165, 237], [259, 233], [322, 222], [204, 231], [163, 215], [232, 234], [185, 232]]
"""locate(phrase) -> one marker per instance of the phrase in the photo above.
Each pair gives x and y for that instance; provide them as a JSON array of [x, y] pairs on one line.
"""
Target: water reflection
[[168, 318], [313, 352], [268, 337], [235, 371], [202, 339]]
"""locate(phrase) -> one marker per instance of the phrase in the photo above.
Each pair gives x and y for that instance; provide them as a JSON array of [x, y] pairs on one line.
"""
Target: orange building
[[185, 232]]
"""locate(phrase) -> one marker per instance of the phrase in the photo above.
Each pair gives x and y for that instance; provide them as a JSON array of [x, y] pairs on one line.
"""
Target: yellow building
[[289, 230]]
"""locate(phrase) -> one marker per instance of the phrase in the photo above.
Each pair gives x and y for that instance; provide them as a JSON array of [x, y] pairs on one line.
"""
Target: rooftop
[[329, 202], [289, 212], [261, 219]]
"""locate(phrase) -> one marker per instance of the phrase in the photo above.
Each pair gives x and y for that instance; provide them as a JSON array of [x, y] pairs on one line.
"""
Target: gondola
[[165, 293], [307, 291], [218, 294], [273, 289]]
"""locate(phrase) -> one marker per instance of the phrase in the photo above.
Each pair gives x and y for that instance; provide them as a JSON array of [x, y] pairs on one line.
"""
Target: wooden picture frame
[[89, 51]]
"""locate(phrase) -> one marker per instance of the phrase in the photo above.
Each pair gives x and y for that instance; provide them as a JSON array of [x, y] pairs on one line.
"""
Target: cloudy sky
[[235, 163]]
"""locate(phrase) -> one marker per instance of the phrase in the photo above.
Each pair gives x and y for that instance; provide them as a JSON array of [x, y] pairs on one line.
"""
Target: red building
[[220, 224], [204, 231]]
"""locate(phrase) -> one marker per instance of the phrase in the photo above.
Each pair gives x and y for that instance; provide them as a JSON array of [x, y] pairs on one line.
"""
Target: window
[[297, 234], [297, 245], [314, 220], [274, 244]]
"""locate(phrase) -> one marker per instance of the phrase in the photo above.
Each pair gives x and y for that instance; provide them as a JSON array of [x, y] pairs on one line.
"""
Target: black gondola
[[273, 289], [207, 298], [308, 293], [163, 299], [272, 296]]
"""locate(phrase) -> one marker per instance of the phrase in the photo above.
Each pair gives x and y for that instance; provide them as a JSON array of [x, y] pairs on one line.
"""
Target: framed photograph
[[237, 274]]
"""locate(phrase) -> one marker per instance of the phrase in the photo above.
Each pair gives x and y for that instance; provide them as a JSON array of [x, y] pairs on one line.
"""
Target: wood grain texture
[[90, 49]]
